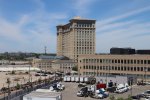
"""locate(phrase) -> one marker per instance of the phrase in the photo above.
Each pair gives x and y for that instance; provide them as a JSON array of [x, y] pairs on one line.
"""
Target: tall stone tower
[[76, 38]]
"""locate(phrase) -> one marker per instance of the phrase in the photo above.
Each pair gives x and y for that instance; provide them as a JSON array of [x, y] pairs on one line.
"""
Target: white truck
[[72, 79], [81, 79], [43, 95], [77, 79], [86, 79], [68, 78], [65, 78]]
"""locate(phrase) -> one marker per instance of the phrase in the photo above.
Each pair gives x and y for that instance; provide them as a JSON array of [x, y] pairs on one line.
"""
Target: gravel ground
[[24, 78], [71, 89]]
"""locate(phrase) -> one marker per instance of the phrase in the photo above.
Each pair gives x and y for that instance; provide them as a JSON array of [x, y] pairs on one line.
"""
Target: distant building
[[143, 52], [76, 38], [10, 62], [43, 64], [4, 62], [63, 65], [53, 57], [54, 63], [122, 51]]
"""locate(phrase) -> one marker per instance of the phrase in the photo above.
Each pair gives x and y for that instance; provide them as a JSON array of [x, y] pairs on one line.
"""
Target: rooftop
[[43, 94]]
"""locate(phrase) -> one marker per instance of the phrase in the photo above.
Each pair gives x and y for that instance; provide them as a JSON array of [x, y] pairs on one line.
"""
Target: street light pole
[[29, 73], [145, 74]]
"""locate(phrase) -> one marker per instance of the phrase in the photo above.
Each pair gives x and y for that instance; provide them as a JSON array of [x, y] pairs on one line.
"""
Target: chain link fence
[[18, 95]]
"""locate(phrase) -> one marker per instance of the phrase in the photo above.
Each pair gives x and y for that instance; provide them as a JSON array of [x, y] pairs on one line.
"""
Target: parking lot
[[72, 88]]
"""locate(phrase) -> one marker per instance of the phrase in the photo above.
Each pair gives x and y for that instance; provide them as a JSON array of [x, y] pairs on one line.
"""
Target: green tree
[[75, 68], [112, 97], [120, 98], [13, 72], [18, 86], [129, 97]]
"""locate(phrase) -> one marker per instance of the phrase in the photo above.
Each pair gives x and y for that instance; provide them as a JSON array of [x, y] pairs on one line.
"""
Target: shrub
[[26, 72], [13, 72], [112, 97], [120, 98], [18, 86]]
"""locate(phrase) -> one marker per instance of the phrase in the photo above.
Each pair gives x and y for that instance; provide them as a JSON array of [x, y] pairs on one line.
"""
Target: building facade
[[76, 38], [43, 64], [138, 65], [64, 66]]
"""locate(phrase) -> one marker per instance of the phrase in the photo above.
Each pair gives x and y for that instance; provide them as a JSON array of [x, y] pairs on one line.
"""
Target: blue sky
[[29, 25]]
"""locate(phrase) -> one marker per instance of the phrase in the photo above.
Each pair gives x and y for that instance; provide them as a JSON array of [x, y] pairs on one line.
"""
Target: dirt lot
[[17, 78], [71, 89]]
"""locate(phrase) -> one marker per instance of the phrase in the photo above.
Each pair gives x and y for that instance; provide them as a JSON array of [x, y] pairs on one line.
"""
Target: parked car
[[121, 88], [102, 93], [83, 92], [81, 85], [146, 94], [43, 74], [37, 74]]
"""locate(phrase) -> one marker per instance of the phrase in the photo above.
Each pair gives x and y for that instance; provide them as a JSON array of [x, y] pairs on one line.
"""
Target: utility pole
[[45, 48], [8, 82], [145, 74], [29, 73]]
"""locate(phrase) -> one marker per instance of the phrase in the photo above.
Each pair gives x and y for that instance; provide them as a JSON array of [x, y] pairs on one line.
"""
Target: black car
[[81, 85], [44, 75], [37, 74]]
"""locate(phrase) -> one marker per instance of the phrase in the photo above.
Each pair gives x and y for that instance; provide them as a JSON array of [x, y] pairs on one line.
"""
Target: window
[[118, 61], [115, 61], [92, 67], [144, 61], [112, 61], [134, 68], [89, 67], [148, 69], [97, 67], [148, 61], [138, 61], [141, 61], [141, 68], [83, 67], [100, 67], [131, 61], [125, 68], [121, 68], [118, 68], [128, 61], [122, 61], [134, 61], [106, 67], [131, 68], [138, 69], [86, 67], [112, 67], [103, 67]]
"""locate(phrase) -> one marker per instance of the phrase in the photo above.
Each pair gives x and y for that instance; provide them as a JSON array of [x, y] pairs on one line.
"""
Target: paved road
[[71, 89]]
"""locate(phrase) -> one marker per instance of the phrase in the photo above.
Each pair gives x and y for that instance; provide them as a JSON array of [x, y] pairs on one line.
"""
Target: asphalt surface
[[72, 88]]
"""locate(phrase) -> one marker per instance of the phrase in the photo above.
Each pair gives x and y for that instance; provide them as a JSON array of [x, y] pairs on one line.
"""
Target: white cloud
[[123, 16], [32, 31], [9, 30], [131, 35], [115, 32]]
